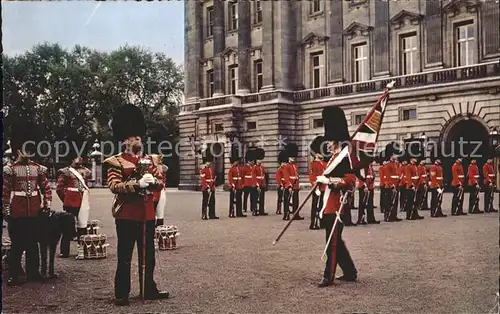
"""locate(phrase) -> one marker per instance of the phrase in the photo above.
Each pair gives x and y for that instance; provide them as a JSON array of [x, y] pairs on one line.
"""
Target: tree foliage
[[72, 94]]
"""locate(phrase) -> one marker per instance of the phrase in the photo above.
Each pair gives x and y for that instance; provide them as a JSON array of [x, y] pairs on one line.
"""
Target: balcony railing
[[477, 71]]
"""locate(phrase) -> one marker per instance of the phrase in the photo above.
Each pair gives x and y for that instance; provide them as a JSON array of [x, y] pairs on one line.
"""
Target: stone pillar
[[434, 40], [268, 44], [381, 36], [219, 44], [286, 64], [193, 33], [244, 45], [336, 43]]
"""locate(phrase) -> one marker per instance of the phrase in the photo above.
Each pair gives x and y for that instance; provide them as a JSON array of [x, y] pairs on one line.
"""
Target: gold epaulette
[[113, 161], [157, 159]]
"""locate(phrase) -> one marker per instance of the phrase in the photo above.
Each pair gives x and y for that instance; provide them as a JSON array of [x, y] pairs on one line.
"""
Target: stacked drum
[[92, 245], [166, 237]]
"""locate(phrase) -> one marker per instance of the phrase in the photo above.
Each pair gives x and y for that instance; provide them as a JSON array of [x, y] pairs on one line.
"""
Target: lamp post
[[96, 157]]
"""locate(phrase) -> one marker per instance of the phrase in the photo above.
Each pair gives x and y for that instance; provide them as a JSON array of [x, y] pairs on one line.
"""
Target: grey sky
[[158, 26]]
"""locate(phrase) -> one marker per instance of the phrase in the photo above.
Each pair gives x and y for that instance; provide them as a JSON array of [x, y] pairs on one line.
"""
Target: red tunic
[[249, 176], [27, 182], [156, 194], [207, 178], [422, 173], [235, 178], [382, 175], [411, 176], [458, 174], [402, 175], [370, 178], [316, 169], [488, 173], [291, 176], [333, 201], [392, 175], [69, 188], [135, 206], [260, 176], [473, 174], [436, 177], [280, 176]]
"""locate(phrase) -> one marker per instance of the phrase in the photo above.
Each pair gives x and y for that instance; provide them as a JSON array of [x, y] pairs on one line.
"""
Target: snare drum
[[5, 252], [166, 237], [93, 227], [93, 246]]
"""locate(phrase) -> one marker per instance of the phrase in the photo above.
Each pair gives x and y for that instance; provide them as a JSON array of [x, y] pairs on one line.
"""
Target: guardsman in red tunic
[[207, 175], [366, 188], [292, 187], [72, 188], [250, 181], [412, 179], [235, 183], [473, 175], [382, 181], [261, 183], [392, 185], [316, 168], [280, 179], [338, 181], [132, 177], [457, 184], [403, 163], [436, 187], [489, 185], [423, 186], [24, 184]]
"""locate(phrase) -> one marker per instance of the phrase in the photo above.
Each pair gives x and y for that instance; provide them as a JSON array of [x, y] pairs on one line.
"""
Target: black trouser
[[392, 197], [402, 198], [249, 191], [383, 199], [435, 203], [489, 194], [290, 197], [128, 233], [261, 196], [316, 206], [66, 238], [211, 203], [457, 204], [235, 201], [366, 206], [24, 233], [473, 199], [341, 256], [280, 200], [410, 203], [422, 198]]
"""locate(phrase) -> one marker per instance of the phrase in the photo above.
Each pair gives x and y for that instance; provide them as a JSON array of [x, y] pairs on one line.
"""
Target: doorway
[[216, 150]]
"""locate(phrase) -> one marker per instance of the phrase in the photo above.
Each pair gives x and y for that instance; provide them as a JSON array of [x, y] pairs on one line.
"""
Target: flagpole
[[333, 164]]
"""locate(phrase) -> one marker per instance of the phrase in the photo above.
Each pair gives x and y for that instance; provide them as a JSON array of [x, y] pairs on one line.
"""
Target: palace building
[[262, 71]]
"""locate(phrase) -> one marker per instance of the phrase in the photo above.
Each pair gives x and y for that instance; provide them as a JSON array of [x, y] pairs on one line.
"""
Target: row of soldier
[[404, 183]]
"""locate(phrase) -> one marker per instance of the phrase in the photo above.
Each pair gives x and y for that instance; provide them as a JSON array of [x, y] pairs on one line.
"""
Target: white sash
[[83, 214]]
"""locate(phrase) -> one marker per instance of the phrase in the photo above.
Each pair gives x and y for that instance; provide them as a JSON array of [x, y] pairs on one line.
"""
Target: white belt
[[476, 176], [425, 176], [21, 193], [460, 176], [260, 177], [414, 178], [248, 177], [395, 177], [74, 189], [369, 177], [491, 175], [238, 178], [209, 180], [293, 177], [439, 178]]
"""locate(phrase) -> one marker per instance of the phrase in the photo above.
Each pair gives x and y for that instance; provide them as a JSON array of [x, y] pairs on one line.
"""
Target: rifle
[[364, 202], [316, 217], [387, 213], [424, 197]]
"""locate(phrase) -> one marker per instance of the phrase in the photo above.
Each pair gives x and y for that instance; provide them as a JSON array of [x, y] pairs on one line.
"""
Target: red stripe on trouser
[[333, 259]]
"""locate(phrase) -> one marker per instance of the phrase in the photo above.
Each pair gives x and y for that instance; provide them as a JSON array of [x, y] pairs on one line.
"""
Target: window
[[233, 15], [465, 53], [359, 118], [360, 58], [409, 114], [258, 75], [251, 125], [210, 83], [233, 79], [258, 12], [409, 54], [317, 123], [219, 127], [210, 21], [314, 6], [317, 69]]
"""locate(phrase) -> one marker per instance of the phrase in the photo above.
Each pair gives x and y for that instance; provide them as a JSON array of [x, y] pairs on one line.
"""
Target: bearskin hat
[[207, 158], [391, 150], [23, 131], [234, 158], [292, 150], [127, 121], [335, 124], [260, 154], [318, 146], [282, 157], [251, 154]]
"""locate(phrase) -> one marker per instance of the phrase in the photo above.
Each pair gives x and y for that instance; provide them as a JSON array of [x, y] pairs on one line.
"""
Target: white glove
[[439, 191], [336, 180], [148, 178], [322, 180], [142, 183]]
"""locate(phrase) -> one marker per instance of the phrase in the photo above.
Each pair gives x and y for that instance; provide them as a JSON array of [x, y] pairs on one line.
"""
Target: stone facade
[[444, 56]]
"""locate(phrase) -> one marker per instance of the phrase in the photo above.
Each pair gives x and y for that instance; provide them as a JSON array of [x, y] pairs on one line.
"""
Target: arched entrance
[[466, 137]]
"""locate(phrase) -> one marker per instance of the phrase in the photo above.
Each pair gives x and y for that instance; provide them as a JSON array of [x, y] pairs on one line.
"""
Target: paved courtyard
[[446, 265]]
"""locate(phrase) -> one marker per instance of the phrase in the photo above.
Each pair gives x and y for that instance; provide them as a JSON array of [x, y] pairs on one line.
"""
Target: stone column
[[433, 27], [286, 64], [336, 43], [381, 34], [268, 44], [193, 33], [219, 45], [244, 45]]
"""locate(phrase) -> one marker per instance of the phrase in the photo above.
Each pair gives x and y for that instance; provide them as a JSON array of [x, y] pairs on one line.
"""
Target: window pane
[[461, 32], [463, 54], [471, 52], [316, 78], [470, 31], [316, 61], [259, 82]]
